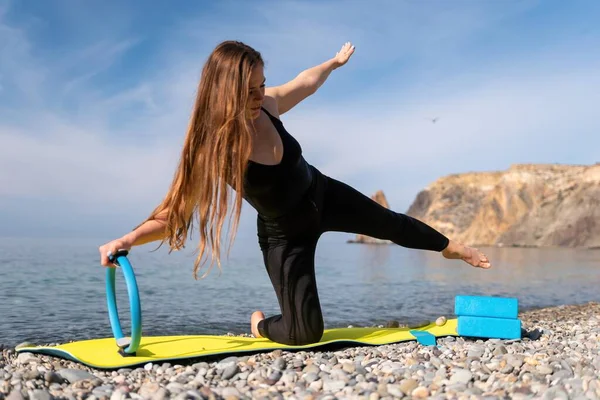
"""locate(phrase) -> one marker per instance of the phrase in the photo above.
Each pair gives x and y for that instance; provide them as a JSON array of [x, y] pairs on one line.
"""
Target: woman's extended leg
[[347, 210], [291, 269]]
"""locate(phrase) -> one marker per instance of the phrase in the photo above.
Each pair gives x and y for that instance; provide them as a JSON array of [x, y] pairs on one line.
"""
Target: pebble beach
[[558, 357]]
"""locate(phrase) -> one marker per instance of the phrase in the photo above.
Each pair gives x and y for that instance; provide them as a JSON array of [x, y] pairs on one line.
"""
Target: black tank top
[[273, 190]]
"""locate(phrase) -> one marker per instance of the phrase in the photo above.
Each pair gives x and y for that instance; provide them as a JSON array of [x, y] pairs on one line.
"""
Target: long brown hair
[[215, 152]]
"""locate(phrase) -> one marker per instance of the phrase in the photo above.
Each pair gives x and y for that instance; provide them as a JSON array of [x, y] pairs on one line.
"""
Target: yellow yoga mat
[[104, 353]]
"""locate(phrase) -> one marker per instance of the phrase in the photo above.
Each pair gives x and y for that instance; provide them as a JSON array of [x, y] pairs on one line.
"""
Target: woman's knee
[[311, 332], [302, 332]]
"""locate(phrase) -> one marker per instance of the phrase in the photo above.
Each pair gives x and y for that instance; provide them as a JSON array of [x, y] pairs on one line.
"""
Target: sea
[[53, 290]]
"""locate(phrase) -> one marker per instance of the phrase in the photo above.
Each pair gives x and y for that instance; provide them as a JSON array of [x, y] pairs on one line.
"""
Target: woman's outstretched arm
[[308, 81]]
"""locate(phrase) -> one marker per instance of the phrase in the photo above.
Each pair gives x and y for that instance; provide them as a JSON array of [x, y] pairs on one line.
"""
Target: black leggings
[[288, 245]]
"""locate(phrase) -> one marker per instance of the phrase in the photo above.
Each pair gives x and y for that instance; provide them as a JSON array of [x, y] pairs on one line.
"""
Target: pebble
[[230, 372], [557, 358], [461, 376]]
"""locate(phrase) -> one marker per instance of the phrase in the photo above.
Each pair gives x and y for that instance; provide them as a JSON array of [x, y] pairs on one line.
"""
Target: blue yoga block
[[486, 306], [491, 328]]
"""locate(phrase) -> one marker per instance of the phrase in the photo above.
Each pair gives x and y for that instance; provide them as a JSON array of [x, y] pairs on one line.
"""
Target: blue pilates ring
[[127, 346]]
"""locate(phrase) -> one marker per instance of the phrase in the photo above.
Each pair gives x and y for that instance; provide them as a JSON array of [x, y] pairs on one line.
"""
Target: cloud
[[388, 34], [98, 143], [90, 61], [21, 74]]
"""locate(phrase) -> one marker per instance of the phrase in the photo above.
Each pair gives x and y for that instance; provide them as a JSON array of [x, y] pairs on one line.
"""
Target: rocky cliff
[[527, 205]]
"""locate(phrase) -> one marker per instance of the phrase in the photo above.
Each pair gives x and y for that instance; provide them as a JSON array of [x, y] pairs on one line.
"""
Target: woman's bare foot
[[256, 317], [468, 254]]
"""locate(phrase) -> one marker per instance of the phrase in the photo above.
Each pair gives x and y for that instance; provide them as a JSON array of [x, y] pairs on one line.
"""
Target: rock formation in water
[[528, 205]]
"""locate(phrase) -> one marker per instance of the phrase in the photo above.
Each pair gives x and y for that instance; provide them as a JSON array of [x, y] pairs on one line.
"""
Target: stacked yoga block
[[488, 317]]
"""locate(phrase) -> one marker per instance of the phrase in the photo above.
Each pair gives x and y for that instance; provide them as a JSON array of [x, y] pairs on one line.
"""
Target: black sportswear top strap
[[269, 114]]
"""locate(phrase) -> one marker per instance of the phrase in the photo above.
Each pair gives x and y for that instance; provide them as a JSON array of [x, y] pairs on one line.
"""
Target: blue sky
[[95, 96]]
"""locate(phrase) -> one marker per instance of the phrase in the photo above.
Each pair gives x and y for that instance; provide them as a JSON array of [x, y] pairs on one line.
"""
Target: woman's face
[[257, 91]]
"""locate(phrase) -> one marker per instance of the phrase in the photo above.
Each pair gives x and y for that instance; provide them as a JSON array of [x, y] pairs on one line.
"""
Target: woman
[[235, 140]]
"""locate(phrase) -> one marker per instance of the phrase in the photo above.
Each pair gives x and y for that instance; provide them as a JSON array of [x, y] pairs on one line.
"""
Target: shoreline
[[558, 357]]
